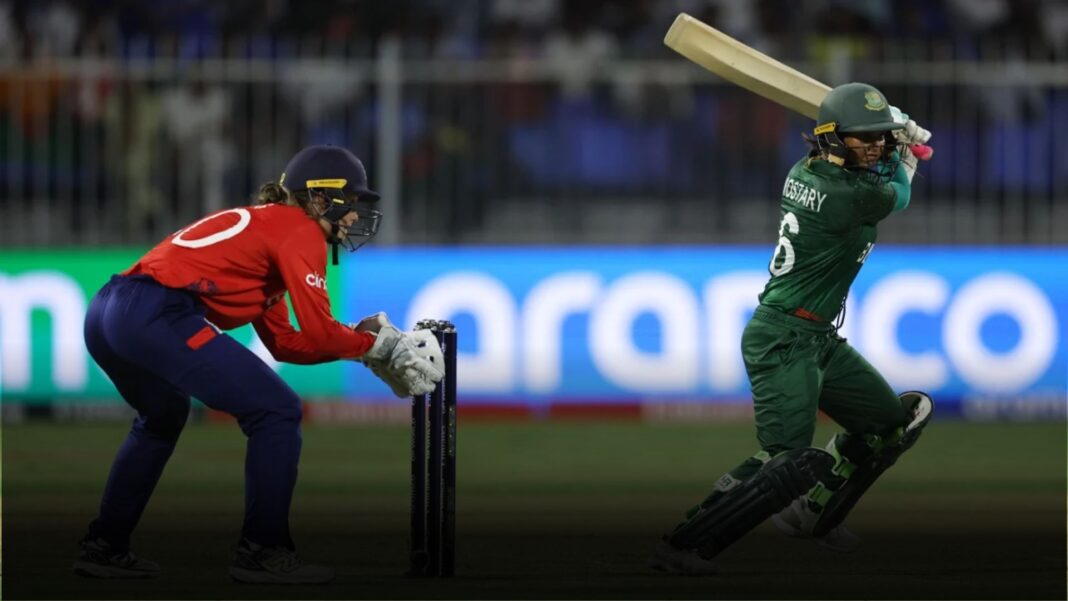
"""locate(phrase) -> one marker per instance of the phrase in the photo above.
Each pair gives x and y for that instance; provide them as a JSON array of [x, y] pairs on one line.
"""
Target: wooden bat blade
[[745, 66], [752, 69]]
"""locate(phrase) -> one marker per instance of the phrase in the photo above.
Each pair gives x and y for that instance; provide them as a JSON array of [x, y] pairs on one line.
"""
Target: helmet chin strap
[[335, 230], [334, 242]]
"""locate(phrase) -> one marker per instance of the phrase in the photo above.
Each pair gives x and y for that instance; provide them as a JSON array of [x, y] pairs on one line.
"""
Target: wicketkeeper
[[858, 172], [155, 329]]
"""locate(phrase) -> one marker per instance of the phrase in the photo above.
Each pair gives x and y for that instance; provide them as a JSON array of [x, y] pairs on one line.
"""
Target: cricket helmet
[[855, 107], [337, 176]]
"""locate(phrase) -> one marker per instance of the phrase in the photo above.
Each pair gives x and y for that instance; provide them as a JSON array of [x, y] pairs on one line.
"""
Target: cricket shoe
[[797, 520], [99, 560], [672, 560], [256, 564]]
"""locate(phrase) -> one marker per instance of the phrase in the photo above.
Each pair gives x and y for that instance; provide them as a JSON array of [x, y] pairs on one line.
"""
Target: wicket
[[433, 515]]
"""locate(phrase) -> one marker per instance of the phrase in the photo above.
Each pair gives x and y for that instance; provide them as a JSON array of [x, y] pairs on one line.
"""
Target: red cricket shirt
[[241, 262]]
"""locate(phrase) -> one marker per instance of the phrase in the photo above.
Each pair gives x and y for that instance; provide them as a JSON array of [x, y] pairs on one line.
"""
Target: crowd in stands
[[487, 28], [479, 142]]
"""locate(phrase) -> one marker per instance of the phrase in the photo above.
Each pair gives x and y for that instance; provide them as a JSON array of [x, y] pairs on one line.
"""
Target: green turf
[[573, 458], [580, 501]]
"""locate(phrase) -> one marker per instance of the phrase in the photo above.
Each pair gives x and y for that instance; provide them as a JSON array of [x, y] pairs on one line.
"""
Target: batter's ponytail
[[272, 193]]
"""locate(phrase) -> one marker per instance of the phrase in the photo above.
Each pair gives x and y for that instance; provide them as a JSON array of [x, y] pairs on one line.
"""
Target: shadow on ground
[[565, 555]]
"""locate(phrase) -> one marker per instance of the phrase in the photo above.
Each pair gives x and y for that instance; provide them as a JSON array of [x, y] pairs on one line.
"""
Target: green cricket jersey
[[826, 231]]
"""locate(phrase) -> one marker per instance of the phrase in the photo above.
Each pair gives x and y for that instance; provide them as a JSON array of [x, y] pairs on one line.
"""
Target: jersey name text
[[803, 195]]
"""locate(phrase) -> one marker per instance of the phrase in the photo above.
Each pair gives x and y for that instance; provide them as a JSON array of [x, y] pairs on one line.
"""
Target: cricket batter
[[155, 330], [858, 172]]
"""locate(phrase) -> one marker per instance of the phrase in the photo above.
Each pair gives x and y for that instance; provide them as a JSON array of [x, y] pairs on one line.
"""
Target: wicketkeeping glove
[[380, 368], [373, 323], [411, 364], [395, 383], [418, 361]]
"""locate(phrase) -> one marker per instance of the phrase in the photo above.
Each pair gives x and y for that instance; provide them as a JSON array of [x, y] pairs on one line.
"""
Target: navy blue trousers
[[158, 349]]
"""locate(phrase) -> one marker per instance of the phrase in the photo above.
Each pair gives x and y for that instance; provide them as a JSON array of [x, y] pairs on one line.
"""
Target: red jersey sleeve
[[301, 261], [283, 340]]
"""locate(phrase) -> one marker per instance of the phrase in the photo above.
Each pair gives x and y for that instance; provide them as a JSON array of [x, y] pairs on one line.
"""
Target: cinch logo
[[315, 280]]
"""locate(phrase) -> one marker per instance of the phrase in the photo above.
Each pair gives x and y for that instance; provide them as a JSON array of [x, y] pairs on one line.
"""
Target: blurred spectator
[[1009, 32], [320, 91], [736, 17], [629, 27], [1054, 23], [578, 50], [514, 101], [533, 16], [99, 34], [430, 36], [55, 28], [194, 118], [140, 151], [10, 38], [978, 15]]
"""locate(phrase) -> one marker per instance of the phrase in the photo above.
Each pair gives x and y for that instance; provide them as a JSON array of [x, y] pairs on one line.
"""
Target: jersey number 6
[[788, 226]]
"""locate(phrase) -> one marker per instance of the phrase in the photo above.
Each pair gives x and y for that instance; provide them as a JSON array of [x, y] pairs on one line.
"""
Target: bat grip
[[921, 151]]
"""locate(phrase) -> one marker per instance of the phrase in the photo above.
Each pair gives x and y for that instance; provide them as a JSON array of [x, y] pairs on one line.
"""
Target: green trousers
[[797, 368]]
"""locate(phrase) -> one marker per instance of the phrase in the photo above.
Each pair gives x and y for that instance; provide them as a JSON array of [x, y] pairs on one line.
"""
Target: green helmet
[[855, 107]]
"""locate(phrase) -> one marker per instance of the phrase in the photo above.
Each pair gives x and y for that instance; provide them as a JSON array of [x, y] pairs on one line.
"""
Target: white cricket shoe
[[98, 560], [673, 560], [256, 564], [797, 520]]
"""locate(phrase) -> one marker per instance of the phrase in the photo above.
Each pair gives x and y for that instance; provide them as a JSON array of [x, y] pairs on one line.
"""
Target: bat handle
[[922, 151]]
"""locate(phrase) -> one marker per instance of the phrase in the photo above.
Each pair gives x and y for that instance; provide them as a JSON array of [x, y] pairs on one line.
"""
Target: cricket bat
[[751, 69]]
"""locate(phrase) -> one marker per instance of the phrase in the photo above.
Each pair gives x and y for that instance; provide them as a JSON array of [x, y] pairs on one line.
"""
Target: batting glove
[[912, 133]]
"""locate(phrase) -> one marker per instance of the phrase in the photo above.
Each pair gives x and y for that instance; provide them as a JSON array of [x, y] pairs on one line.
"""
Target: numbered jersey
[[241, 262], [827, 229]]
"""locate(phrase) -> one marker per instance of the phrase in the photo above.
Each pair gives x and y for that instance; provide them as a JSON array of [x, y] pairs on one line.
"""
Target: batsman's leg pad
[[716, 526], [920, 407]]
